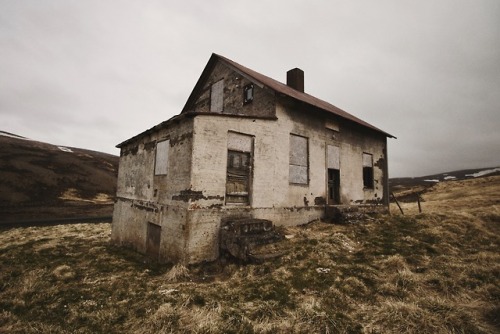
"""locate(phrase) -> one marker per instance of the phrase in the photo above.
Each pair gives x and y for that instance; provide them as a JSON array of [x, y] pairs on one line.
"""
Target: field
[[432, 272]]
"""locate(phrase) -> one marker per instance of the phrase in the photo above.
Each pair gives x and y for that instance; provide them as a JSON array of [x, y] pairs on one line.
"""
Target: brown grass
[[435, 272]]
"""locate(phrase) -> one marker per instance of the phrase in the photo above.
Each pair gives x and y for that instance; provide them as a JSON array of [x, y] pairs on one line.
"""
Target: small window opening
[[248, 94], [367, 171]]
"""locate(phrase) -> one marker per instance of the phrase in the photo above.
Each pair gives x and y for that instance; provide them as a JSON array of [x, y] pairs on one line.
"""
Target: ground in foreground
[[435, 272]]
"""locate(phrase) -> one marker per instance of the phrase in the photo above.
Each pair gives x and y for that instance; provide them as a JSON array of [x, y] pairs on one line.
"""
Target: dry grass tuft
[[63, 273], [401, 317], [394, 263], [178, 273]]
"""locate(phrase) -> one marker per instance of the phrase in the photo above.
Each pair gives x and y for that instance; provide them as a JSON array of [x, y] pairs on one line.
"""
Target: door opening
[[153, 241], [333, 186]]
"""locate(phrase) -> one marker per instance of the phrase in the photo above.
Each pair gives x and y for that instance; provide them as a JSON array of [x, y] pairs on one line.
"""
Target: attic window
[[248, 94]]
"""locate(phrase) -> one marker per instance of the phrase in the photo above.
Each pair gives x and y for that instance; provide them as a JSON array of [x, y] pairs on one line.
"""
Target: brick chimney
[[295, 79]]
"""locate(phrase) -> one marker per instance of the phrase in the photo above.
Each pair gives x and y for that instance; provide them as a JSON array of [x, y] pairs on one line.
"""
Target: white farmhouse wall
[[187, 203]]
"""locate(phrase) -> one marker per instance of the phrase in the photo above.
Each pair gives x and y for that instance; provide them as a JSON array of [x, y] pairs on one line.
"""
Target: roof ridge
[[298, 95]]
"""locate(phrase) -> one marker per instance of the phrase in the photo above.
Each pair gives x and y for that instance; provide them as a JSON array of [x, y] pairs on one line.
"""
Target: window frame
[[368, 177], [239, 144], [246, 89]]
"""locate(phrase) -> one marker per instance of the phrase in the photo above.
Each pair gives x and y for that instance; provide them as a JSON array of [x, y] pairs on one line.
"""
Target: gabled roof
[[278, 87]]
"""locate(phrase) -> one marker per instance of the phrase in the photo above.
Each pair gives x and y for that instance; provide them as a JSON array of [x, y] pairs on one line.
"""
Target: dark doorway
[[153, 241], [333, 186]]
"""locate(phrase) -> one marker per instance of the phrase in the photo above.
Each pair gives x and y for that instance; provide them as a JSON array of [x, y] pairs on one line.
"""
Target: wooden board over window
[[217, 97], [333, 157], [299, 160], [161, 160]]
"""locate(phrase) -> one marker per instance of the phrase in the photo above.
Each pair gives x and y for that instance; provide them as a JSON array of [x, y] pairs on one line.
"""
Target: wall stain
[[380, 163], [149, 146], [193, 195], [319, 201], [144, 206], [179, 139], [126, 151]]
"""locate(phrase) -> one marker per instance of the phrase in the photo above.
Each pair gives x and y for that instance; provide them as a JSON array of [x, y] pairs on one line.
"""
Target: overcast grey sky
[[92, 74]]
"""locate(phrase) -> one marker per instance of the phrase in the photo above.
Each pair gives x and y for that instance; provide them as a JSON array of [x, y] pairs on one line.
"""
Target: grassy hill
[[40, 180], [434, 272]]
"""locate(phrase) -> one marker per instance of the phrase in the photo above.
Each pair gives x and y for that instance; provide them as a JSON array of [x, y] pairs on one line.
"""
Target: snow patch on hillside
[[484, 172], [11, 135], [65, 149]]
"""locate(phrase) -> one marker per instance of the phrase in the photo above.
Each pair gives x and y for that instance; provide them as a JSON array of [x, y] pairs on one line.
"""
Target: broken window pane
[[238, 177], [239, 166], [367, 171], [248, 94]]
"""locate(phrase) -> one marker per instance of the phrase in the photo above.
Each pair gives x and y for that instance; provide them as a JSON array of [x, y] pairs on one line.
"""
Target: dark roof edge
[[164, 124], [262, 81], [181, 117], [286, 90], [199, 84]]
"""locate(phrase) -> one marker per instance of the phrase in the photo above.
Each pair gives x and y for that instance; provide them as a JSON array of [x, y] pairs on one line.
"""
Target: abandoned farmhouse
[[243, 146]]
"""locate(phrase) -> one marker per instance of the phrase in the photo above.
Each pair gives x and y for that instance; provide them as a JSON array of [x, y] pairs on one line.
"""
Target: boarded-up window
[[333, 157], [239, 167], [217, 96], [367, 171], [299, 160], [161, 161]]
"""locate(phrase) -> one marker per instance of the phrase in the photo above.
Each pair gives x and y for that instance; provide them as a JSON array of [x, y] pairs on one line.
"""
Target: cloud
[[93, 73]]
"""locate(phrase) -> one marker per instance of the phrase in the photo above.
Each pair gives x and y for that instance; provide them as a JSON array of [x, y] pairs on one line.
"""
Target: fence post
[[418, 201], [399, 206]]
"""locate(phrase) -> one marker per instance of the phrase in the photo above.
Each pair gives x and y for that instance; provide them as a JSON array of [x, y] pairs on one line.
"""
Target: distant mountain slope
[[403, 182], [406, 189], [40, 180]]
